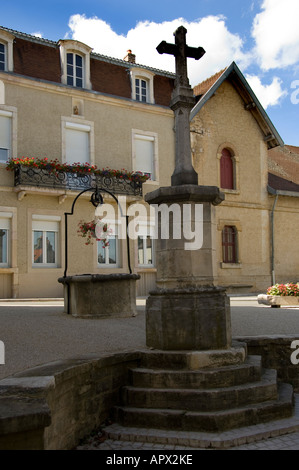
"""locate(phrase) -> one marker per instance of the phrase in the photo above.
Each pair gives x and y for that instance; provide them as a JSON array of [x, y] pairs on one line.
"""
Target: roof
[[276, 184], [204, 86], [284, 163], [104, 58], [206, 90]]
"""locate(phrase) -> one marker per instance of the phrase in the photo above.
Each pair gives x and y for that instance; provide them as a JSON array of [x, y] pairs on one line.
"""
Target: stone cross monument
[[186, 311], [182, 102]]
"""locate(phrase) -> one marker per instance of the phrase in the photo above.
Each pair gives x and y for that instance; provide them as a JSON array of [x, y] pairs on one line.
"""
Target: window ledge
[[145, 269], [230, 191], [231, 265]]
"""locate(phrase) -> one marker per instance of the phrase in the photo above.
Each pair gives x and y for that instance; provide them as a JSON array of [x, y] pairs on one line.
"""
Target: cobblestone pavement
[[259, 435], [287, 442]]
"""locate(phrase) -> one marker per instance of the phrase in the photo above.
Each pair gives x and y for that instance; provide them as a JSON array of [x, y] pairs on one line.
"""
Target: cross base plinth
[[186, 311], [188, 319]]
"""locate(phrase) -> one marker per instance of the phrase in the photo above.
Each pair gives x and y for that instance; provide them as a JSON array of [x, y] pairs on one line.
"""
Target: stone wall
[[276, 354], [55, 405], [52, 407]]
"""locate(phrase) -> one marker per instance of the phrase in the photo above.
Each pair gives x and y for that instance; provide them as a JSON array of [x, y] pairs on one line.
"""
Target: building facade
[[61, 101], [233, 141]]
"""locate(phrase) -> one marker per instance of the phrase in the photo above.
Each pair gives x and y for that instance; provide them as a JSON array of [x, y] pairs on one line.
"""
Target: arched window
[[226, 170], [229, 244]]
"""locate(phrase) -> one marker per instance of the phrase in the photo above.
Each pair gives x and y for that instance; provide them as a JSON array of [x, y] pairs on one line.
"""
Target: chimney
[[130, 57]]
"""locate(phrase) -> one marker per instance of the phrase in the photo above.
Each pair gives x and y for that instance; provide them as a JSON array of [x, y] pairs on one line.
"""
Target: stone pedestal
[[100, 295], [187, 311]]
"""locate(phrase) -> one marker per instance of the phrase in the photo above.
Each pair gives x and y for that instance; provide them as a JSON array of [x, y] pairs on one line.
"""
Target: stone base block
[[100, 295], [188, 319]]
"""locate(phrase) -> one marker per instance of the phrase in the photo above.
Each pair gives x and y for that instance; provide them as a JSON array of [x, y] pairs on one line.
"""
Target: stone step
[[208, 421], [228, 376], [193, 360], [203, 399]]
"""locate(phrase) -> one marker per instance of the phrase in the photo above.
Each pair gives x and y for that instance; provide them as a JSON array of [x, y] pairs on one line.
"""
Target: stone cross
[[182, 102]]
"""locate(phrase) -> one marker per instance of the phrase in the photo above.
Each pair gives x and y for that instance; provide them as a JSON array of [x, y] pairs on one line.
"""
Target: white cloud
[[276, 34], [38, 34], [268, 95], [222, 47]]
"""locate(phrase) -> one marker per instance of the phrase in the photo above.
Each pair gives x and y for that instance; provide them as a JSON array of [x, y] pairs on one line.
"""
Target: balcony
[[27, 176]]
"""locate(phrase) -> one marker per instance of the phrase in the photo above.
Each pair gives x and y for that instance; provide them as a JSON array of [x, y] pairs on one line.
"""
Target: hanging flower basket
[[95, 230]]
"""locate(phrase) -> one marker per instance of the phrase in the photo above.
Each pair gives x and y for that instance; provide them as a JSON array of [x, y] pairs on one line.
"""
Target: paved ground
[[37, 332]]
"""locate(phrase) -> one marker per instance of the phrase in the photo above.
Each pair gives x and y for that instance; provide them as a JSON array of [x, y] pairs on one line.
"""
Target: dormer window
[[142, 85], [6, 51], [2, 56], [75, 63], [74, 70]]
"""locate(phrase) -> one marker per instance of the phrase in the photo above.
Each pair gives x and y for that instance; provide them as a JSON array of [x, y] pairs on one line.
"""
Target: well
[[100, 295]]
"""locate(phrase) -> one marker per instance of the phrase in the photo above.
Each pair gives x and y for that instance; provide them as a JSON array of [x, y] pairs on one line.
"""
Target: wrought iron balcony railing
[[44, 178]]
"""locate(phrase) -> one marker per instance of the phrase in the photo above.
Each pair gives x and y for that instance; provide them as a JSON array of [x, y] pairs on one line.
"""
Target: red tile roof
[[284, 162], [204, 86]]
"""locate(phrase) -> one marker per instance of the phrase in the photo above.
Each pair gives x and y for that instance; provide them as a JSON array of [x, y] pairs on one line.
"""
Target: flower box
[[278, 300], [281, 295]]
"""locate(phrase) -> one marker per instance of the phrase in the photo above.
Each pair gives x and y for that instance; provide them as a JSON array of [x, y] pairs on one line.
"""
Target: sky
[[261, 36]]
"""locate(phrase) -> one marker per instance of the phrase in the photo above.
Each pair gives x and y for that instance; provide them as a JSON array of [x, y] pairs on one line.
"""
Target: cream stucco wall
[[41, 109], [224, 123]]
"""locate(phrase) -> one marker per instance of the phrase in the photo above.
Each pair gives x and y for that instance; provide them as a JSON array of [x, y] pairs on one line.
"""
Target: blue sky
[[261, 36]]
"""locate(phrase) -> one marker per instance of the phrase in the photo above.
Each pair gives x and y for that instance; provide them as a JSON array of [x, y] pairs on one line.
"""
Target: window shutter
[[5, 137], [144, 149], [77, 146], [226, 170]]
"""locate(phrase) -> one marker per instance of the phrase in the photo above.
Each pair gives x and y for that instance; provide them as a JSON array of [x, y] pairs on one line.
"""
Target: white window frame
[[152, 136], [114, 226], [7, 39], [6, 224], [44, 224], [74, 76], [148, 77], [80, 125], [146, 229], [75, 47]]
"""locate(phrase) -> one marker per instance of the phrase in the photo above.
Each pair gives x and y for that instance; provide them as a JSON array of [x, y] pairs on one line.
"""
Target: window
[[145, 154], [5, 227], [226, 170], [141, 90], [2, 57], [45, 241], [6, 51], [229, 244], [75, 63], [77, 141], [145, 251], [5, 135], [77, 144], [142, 85], [109, 256], [74, 70]]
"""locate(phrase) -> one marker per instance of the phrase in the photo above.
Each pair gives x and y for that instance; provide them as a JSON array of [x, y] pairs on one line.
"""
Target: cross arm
[[195, 52], [167, 48]]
